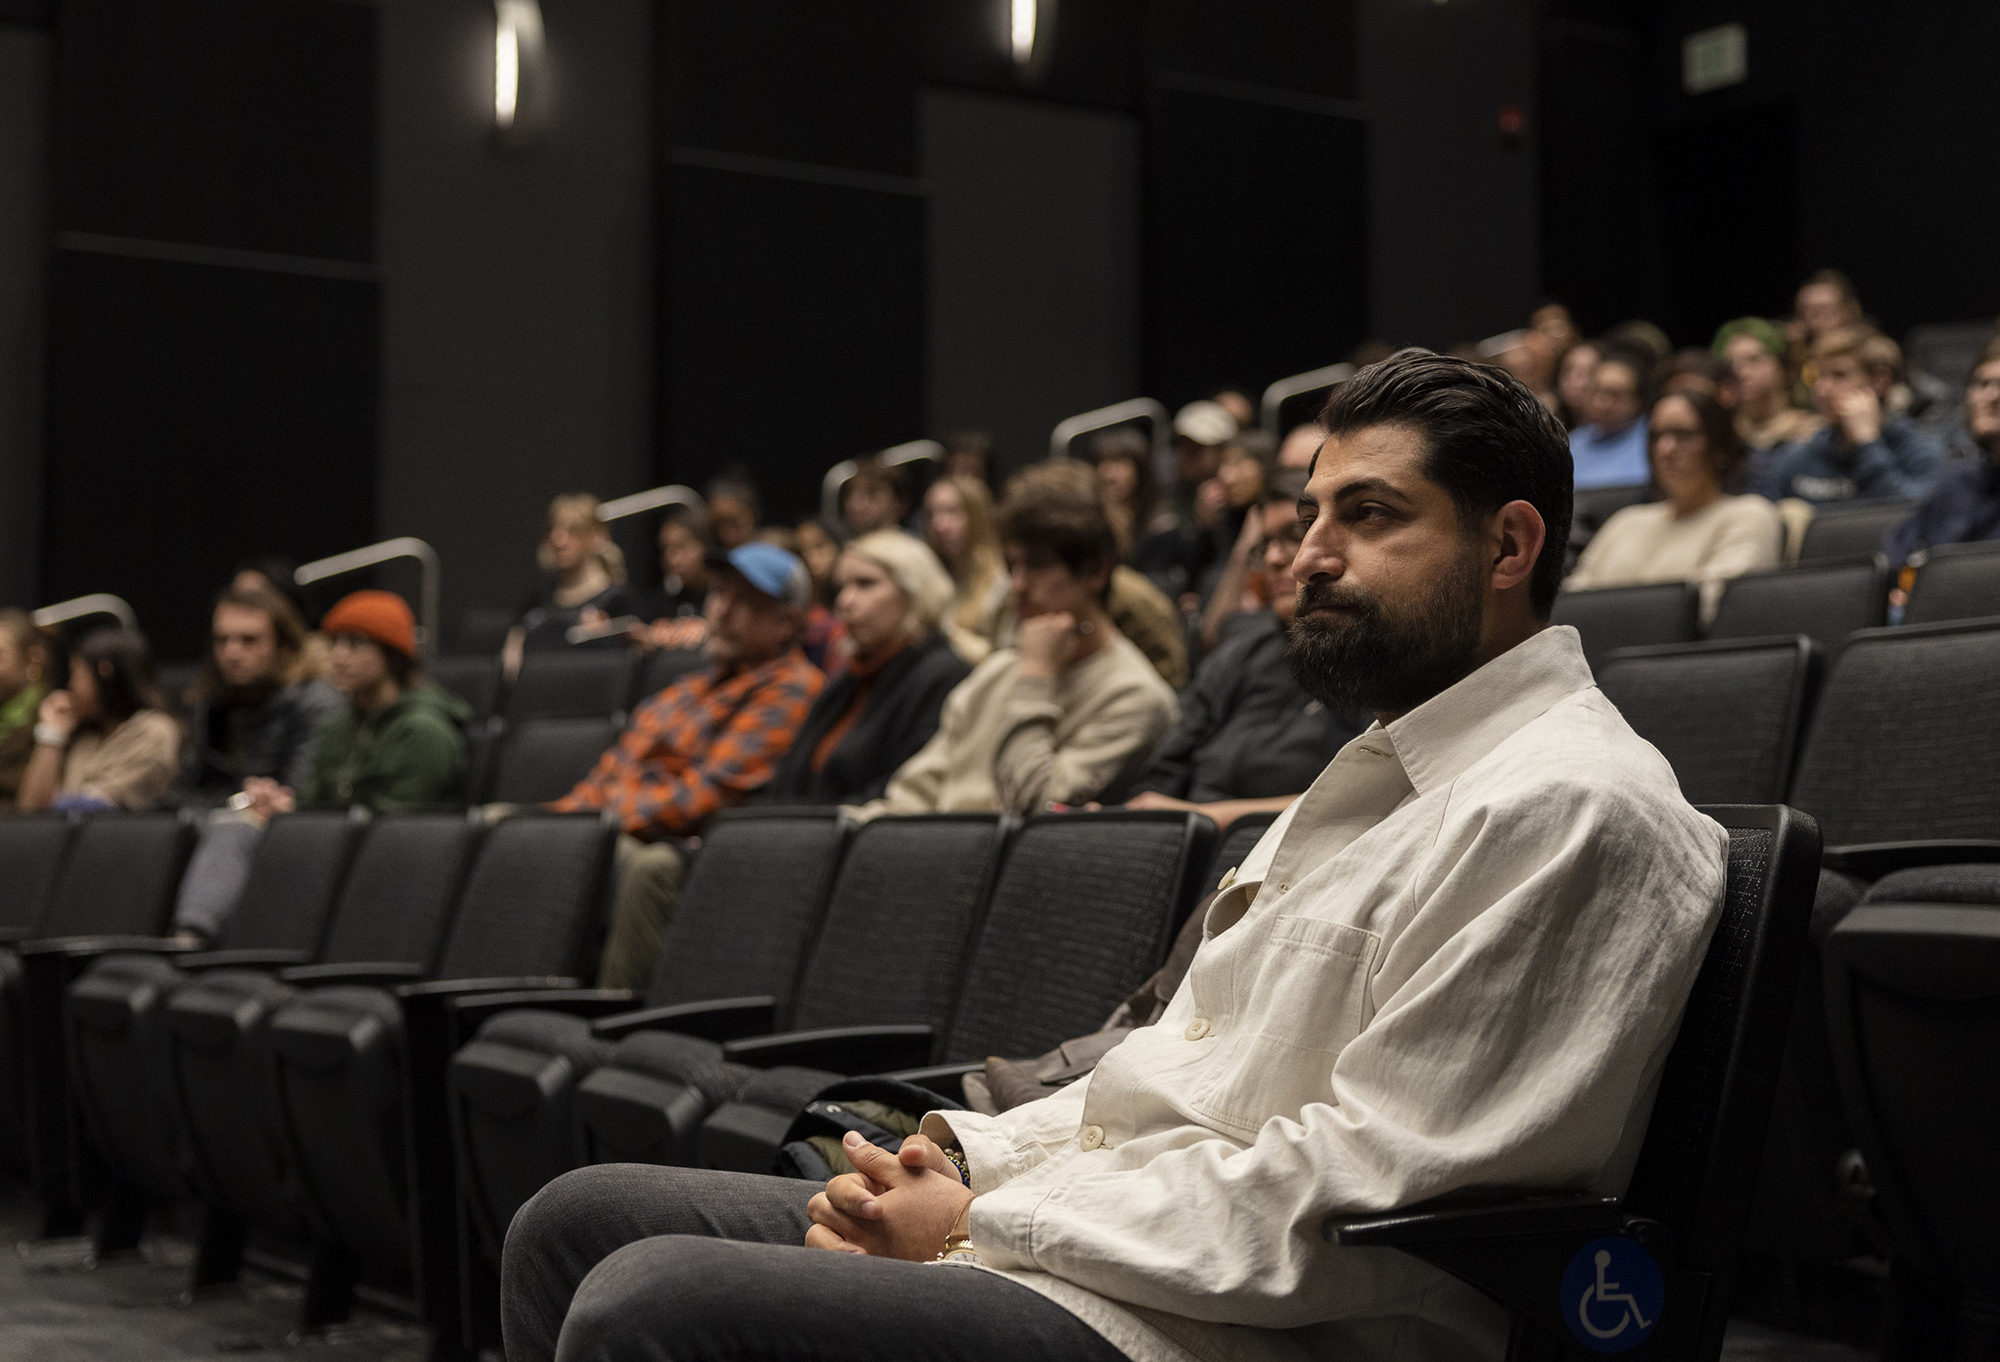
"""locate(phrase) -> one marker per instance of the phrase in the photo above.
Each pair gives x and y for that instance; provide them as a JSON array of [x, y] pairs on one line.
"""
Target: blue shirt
[[1902, 462], [1965, 508], [1610, 460]]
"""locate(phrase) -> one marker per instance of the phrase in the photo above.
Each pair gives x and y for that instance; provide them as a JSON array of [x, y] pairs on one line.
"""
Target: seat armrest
[[714, 1019], [13, 936], [468, 1012], [946, 1080], [259, 958], [1873, 860], [838, 1049], [103, 945], [447, 988], [1511, 1215], [379, 973]]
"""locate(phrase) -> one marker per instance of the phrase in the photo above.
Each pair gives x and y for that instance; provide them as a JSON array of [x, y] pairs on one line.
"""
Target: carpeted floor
[[131, 1310]]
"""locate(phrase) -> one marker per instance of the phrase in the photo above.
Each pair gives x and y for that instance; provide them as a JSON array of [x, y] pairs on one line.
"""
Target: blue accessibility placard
[[1613, 1295]]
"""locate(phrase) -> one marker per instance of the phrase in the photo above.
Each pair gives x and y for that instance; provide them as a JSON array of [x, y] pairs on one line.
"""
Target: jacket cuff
[[989, 1155], [1002, 1228]]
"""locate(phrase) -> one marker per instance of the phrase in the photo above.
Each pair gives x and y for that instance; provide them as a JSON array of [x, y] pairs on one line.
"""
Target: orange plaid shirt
[[699, 746]]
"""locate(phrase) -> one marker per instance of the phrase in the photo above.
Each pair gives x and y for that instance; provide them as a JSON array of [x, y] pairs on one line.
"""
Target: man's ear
[[1522, 533]]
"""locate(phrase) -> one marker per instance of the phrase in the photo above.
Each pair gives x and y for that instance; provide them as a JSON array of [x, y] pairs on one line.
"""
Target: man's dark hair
[[1052, 512], [1489, 441]]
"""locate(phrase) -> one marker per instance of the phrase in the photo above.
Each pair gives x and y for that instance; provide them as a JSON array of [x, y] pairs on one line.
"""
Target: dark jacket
[[547, 624], [1247, 731], [900, 717], [1964, 509], [277, 741], [409, 754], [1902, 462]]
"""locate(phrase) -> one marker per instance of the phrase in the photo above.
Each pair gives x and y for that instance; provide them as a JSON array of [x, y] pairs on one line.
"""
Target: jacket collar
[[1446, 735]]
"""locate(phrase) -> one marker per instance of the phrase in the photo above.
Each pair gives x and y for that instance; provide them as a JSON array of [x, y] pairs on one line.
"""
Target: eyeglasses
[[1676, 433]]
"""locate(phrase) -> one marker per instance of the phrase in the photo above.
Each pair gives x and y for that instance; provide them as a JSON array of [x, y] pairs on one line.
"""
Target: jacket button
[[1093, 1136], [1197, 1028]]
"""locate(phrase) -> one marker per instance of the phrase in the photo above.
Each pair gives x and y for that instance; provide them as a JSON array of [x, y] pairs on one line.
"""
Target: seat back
[[120, 876], [1956, 582], [1913, 1011], [1698, 1165], [1904, 743], [921, 882], [474, 679], [1825, 601], [1726, 716], [32, 847], [1590, 507], [400, 889], [1629, 616], [752, 898], [1845, 529], [588, 683], [294, 878], [538, 888], [543, 759], [1084, 910], [661, 669]]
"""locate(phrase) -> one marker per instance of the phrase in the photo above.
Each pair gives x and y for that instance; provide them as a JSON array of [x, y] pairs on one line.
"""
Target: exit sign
[[1714, 58]]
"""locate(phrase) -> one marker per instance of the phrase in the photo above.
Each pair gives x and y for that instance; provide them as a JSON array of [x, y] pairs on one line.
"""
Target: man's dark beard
[[1378, 663]]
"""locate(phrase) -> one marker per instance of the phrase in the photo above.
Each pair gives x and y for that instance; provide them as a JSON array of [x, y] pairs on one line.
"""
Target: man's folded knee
[[633, 1299], [576, 1198]]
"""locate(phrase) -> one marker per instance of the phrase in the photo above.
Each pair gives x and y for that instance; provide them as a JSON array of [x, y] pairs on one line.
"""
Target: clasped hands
[[902, 1205]]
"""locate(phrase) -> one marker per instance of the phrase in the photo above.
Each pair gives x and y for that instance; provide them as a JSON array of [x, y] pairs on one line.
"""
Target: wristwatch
[[958, 1249]]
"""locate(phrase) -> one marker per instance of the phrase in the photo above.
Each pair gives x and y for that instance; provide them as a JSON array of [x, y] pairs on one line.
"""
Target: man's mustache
[[1329, 596]]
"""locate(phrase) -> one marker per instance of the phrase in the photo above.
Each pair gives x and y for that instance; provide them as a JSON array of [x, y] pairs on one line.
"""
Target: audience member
[[1573, 377], [817, 545], [1863, 451], [1298, 448], [1556, 325], [1354, 1034], [397, 743], [958, 526], [1130, 492], [1610, 451], [588, 590], [1240, 570], [892, 596], [254, 712], [1695, 370], [24, 669], [276, 572], [1250, 739], [706, 743], [1827, 303], [1965, 505], [107, 742], [684, 541], [733, 509], [969, 454], [875, 498], [1697, 532], [1238, 406], [1201, 429], [1755, 351], [1070, 711], [1530, 356]]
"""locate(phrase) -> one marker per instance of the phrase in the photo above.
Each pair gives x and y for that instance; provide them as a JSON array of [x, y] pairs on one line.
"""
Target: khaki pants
[[650, 875]]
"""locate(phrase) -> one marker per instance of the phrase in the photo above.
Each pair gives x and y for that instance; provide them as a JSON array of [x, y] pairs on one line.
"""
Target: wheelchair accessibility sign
[[1613, 1295]]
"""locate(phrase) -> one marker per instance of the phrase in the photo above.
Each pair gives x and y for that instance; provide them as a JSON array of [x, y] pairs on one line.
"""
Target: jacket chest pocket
[[1309, 989]]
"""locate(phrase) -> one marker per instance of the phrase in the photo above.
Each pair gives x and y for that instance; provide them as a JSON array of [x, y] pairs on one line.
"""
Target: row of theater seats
[[1826, 599]]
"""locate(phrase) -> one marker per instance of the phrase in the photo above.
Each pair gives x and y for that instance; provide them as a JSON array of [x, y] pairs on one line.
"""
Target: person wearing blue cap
[[706, 743]]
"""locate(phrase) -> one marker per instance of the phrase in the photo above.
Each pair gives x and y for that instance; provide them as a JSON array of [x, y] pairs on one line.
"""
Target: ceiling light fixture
[[1021, 31], [517, 68]]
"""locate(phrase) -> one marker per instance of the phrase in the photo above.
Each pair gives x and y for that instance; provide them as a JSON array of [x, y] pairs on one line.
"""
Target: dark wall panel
[[1302, 45], [197, 414], [1242, 289], [794, 327], [233, 123]]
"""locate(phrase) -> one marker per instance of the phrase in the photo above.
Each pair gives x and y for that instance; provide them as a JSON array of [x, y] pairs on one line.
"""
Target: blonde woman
[[589, 585], [891, 594], [958, 525]]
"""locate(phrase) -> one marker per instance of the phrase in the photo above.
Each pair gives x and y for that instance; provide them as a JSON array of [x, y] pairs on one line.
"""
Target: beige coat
[[1010, 743], [1457, 961], [132, 767], [1726, 538]]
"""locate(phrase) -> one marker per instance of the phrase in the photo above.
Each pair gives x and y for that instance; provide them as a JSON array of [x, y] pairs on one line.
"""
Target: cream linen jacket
[[1457, 961]]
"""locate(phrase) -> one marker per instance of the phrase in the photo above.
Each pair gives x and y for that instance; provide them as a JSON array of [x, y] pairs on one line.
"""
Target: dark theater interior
[[995, 679]]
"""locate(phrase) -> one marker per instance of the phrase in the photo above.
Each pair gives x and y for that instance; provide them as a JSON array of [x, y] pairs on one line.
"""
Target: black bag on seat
[[812, 1148]]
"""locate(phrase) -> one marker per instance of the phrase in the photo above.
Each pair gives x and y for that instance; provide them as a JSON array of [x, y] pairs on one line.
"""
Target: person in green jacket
[[398, 744]]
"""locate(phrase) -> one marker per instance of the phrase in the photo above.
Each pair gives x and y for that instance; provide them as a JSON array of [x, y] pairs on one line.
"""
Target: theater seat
[[1614, 617], [1826, 601], [1956, 581], [1845, 529], [1084, 910], [585, 684], [32, 848], [662, 668], [1727, 716], [543, 759]]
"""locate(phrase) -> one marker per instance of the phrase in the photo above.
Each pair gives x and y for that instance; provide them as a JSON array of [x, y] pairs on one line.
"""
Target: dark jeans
[[621, 1261]]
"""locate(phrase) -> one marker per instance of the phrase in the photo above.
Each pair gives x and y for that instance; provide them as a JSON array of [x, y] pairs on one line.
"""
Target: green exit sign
[[1714, 58]]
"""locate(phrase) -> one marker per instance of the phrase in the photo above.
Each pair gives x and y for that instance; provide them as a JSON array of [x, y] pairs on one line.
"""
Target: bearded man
[[1457, 961]]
